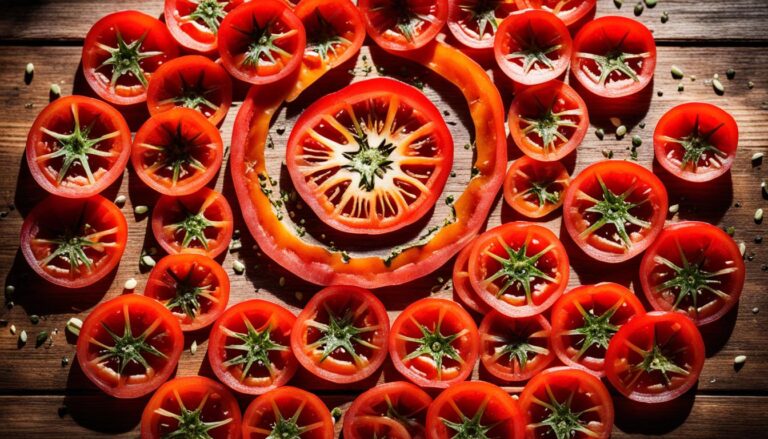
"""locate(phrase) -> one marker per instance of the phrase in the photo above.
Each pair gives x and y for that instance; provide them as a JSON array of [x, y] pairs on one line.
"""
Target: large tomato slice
[[462, 285], [287, 412], [614, 210], [571, 12], [474, 23], [129, 345], [399, 401], [535, 189], [403, 24], [371, 158], [195, 23], [515, 349]]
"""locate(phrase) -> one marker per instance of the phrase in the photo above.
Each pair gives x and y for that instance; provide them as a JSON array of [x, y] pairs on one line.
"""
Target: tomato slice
[[614, 56], [249, 347], [535, 189], [474, 23], [475, 409], [614, 210], [515, 349], [567, 403], [376, 427], [262, 41], [371, 158], [518, 269], [193, 287], [400, 402], [696, 141], [655, 357], [195, 23], [548, 121], [199, 223], [403, 24], [191, 406], [586, 318], [74, 242], [129, 346], [77, 147], [122, 51], [194, 82], [434, 343], [287, 412], [461, 284], [533, 47], [571, 12], [693, 268]]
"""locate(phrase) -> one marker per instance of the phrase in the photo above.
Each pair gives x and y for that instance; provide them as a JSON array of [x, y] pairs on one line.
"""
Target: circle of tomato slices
[[186, 406], [129, 346], [287, 412], [474, 23], [614, 210], [571, 12], [371, 158], [400, 25], [400, 402], [78, 146], [515, 349], [195, 23], [461, 284], [535, 189]]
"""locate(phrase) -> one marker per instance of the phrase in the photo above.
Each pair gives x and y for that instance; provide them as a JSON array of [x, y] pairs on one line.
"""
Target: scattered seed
[[140, 210], [680, 87], [64, 361], [759, 215], [120, 200], [650, 3], [239, 267], [41, 338], [750, 85], [29, 69], [336, 413], [641, 125], [639, 9], [281, 281], [718, 86], [34, 319], [730, 74], [664, 17], [73, 325], [673, 209], [193, 347], [755, 310], [600, 133], [23, 337], [12, 329], [130, 284], [757, 158], [148, 261], [618, 3], [730, 230], [742, 248], [764, 187], [621, 131], [9, 290], [607, 153], [740, 359], [677, 73], [637, 141], [55, 91]]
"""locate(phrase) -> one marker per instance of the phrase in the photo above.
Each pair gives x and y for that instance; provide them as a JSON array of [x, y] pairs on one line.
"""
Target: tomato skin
[[571, 17], [288, 400], [188, 34], [536, 327], [377, 15], [461, 10], [519, 187], [214, 400], [462, 285], [679, 123], [406, 399]]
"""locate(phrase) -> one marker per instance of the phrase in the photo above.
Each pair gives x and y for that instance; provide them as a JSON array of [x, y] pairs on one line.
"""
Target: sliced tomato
[[195, 23], [693, 268], [399, 401], [262, 41], [199, 223], [655, 357], [548, 121], [74, 242], [586, 318], [194, 82], [249, 347], [77, 147], [474, 23], [193, 287], [518, 269], [535, 189], [191, 406], [376, 427], [403, 24], [515, 349], [567, 403], [129, 346], [571, 12], [371, 158], [434, 343], [177, 152], [614, 210], [461, 284], [614, 56], [696, 141], [475, 409], [287, 412], [122, 51], [533, 47]]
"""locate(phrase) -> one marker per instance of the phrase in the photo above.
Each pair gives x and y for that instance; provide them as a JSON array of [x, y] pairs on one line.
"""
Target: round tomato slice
[[74, 242], [474, 23], [567, 403], [193, 287], [535, 189], [403, 24], [399, 402], [434, 343], [371, 158], [515, 349], [191, 406], [696, 141], [122, 51], [262, 41], [614, 210], [199, 223], [193, 82], [287, 412], [586, 318], [571, 12], [548, 121], [461, 284], [177, 152], [694, 268], [655, 357], [533, 47], [614, 56], [518, 269], [78, 146], [249, 347], [129, 345], [473, 410], [195, 23]]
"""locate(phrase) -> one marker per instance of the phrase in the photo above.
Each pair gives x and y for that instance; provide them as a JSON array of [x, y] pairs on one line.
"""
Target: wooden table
[[42, 397]]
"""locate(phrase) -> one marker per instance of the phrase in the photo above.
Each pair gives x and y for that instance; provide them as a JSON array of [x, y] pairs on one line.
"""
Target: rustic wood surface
[[41, 398]]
